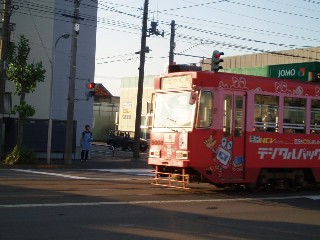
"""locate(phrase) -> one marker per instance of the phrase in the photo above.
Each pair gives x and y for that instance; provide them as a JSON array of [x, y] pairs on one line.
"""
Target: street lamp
[[65, 36]]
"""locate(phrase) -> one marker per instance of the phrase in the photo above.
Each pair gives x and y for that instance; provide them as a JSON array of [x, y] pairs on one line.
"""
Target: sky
[[235, 27]]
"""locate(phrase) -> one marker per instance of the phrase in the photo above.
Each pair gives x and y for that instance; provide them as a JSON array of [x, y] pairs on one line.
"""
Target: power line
[[218, 34], [241, 15], [222, 24], [42, 11], [311, 1], [246, 28], [238, 46], [194, 5], [274, 10], [38, 33]]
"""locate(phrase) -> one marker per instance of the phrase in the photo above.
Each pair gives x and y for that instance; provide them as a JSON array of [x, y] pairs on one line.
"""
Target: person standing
[[85, 143]]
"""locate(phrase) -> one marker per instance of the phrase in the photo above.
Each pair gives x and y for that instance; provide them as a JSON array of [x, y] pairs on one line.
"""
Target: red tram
[[232, 129]]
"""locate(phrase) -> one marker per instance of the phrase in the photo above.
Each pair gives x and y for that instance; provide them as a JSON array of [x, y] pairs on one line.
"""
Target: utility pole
[[136, 144], [3, 73], [72, 83], [172, 43]]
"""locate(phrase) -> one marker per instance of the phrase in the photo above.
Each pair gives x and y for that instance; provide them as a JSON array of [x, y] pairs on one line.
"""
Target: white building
[[128, 103], [43, 23]]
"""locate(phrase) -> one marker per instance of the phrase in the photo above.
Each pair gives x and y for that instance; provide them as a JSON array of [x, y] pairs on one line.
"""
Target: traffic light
[[90, 89], [216, 60]]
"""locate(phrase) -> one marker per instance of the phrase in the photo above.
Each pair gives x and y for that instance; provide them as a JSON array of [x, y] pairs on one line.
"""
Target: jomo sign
[[291, 73]]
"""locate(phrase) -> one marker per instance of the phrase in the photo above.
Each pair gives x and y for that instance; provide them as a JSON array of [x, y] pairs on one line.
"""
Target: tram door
[[234, 131]]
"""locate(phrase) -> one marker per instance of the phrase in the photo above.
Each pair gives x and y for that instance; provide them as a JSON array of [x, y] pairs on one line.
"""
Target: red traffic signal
[[216, 60], [91, 85], [90, 90], [217, 55]]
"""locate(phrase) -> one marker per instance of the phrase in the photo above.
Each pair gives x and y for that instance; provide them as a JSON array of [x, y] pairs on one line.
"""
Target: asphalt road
[[112, 198]]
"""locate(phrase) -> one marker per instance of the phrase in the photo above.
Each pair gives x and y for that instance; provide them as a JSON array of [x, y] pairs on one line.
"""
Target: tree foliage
[[24, 110], [25, 77]]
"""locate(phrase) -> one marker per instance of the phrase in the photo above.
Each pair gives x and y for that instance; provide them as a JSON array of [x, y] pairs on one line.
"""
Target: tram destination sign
[[176, 82]]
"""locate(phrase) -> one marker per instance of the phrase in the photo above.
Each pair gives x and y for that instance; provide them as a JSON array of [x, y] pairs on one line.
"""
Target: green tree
[[25, 77]]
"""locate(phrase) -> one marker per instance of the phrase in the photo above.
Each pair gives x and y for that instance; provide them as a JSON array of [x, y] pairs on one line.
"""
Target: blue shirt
[[86, 140]]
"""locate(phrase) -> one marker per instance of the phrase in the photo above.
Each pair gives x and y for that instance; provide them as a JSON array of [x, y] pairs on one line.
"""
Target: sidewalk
[[121, 159]]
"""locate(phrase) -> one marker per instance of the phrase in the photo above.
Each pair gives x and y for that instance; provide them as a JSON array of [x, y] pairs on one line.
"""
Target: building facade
[[44, 23], [266, 59], [269, 64], [128, 103], [105, 112]]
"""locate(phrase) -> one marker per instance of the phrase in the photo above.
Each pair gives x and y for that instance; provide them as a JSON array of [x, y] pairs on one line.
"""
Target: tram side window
[[294, 115], [266, 113], [227, 116], [315, 116], [204, 119], [239, 117]]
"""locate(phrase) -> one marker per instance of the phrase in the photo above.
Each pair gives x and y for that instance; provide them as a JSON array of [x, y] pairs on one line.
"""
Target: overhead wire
[[38, 33], [122, 12], [222, 25], [285, 35], [290, 5], [238, 46], [42, 11], [311, 1], [273, 10], [245, 16], [253, 40]]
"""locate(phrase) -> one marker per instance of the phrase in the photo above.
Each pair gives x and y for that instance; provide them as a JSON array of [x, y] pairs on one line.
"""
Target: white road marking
[[50, 174], [135, 171], [316, 197], [147, 202], [123, 170], [313, 197], [78, 177]]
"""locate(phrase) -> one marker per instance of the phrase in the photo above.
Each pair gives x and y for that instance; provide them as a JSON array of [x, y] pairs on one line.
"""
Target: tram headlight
[[154, 153], [182, 155]]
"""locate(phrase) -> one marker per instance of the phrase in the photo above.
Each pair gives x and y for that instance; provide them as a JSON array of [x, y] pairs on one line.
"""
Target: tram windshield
[[173, 110]]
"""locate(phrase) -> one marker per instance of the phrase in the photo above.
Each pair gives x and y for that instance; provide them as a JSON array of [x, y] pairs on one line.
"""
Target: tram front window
[[173, 110]]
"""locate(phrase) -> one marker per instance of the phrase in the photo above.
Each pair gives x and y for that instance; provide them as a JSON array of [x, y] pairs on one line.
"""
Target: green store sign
[[291, 73], [298, 71]]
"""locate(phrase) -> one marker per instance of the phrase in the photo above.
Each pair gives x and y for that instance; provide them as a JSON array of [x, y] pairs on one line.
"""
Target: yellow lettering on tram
[[268, 140]]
